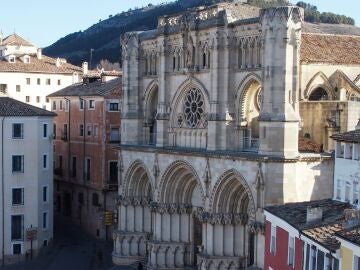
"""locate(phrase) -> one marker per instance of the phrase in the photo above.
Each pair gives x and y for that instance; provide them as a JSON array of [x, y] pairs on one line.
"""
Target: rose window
[[193, 107]]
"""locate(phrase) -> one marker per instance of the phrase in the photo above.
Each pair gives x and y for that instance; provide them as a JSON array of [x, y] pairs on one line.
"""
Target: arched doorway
[[177, 233], [135, 219], [228, 238]]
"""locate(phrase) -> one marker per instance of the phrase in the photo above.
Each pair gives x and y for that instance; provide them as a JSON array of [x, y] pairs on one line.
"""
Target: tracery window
[[193, 107]]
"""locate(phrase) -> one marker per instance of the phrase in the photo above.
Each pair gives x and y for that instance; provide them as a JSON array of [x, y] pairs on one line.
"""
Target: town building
[[212, 132], [347, 167], [350, 246], [87, 127], [26, 179], [29, 76]]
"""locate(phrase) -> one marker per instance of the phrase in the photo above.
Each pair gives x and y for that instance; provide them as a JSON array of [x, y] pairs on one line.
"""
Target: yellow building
[[350, 248]]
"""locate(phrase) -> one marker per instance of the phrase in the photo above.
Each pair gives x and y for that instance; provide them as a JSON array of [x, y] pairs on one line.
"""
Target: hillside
[[104, 36]]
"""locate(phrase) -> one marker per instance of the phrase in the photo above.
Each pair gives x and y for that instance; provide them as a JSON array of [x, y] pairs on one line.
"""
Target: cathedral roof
[[330, 49], [14, 39]]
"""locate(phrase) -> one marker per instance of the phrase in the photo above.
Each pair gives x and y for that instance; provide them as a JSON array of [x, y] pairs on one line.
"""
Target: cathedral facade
[[210, 135]]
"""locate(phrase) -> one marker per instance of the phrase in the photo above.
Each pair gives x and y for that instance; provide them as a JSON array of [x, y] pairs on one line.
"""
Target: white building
[[29, 76], [347, 167], [26, 163]]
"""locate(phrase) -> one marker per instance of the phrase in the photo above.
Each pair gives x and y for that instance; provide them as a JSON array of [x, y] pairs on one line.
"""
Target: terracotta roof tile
[[350, 136], [14, 39], [330, 49], [307, 145], [352, 234], [44, 65]]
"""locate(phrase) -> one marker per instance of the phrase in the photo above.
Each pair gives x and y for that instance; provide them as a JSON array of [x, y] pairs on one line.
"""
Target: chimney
[[58, 63], [85, 68], [314, 214], [39, 53]]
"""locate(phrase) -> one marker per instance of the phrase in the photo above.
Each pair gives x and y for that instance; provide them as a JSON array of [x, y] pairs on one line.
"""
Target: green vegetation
[[313, 15]]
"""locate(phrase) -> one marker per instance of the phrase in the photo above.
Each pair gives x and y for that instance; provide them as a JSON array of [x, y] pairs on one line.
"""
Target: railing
[[87, 176]]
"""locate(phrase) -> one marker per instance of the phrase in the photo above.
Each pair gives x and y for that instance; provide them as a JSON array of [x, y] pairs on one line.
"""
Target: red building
[[303, 235], [85, 156]]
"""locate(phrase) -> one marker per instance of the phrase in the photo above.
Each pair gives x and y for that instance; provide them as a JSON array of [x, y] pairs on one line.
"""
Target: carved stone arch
[[137, 165], [229, 177], [311, 86], [181, 92], [170, 177], [242, 93], [150, 93]]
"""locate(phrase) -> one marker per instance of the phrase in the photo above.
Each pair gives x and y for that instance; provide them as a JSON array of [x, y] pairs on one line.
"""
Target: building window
[[61, 105], [91, 104], [45, 161], [45, 220], [338, 189], [81, 104], [273, 240], [356, 193], [81, 130], [59, 82], [38, 81], [27, 98], [356, 263], [87, 169], [3, 88], [89, 129], [95, 199], [54, 131], [73, 167], [17, 196], [45, 193], [48, 81], [114, 135], [18, 88], [18, 163], [17, 131], [313, 258], [67, 105], [38, 99], [28, 81], [114, 106], [347, 191], [54, 105], [45, 130], [96, 131], [16, 249], [17, 227], [47, 100], [12, 59], [113, 172], [81, 198], [291, 251]]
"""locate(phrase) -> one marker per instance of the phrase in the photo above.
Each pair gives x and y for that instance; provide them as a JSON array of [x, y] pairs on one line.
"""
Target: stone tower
[[279, 118]]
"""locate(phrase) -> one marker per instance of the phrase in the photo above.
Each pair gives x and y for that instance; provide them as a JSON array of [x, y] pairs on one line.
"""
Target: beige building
[[210, 125]]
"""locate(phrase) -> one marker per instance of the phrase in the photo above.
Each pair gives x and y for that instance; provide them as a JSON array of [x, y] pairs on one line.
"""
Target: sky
[[43, 22]]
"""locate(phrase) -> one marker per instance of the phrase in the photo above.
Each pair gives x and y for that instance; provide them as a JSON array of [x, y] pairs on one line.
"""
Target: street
[[72, 250]]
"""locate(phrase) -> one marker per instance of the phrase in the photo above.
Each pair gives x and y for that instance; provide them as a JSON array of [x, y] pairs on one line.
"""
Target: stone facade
[[210, 126]]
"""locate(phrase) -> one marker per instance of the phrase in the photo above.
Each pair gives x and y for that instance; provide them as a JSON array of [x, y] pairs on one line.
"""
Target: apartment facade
[[29, 76], [347, 166], [85, 160], [27, 179]]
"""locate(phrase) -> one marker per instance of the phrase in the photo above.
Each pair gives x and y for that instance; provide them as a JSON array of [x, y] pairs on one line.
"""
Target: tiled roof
[[97, 88], [13, 107], [323, 230], [330, 49], [307, 145], [352, 235], [14, 39], [44, 65], [331, 29], [350, 136]]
